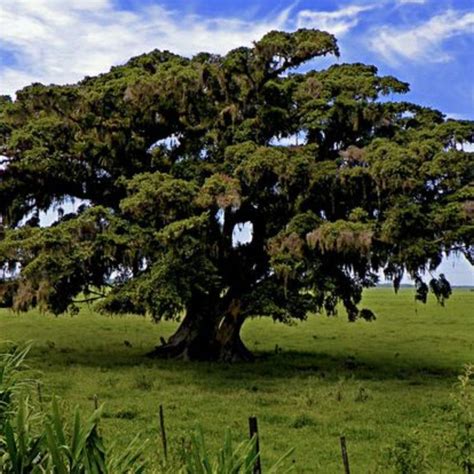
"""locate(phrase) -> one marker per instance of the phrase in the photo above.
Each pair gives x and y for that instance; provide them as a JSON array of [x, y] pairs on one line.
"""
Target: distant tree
[[171, 155]]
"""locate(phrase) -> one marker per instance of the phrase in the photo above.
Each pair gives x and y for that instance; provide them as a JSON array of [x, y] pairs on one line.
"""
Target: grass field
[[373, 382]]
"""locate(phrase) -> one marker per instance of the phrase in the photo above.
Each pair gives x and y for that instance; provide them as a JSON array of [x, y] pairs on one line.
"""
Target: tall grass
[[229, 460], [32, 441]]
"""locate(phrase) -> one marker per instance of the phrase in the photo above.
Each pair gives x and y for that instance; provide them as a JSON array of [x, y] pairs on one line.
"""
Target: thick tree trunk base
[[196, 342], [210, 354]]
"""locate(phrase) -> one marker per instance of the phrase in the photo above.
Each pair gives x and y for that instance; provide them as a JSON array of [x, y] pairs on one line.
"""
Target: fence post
[[253, 428], [163, 433], [345, 457]]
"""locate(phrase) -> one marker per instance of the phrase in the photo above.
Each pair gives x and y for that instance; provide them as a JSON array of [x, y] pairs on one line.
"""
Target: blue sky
[[428, 43]]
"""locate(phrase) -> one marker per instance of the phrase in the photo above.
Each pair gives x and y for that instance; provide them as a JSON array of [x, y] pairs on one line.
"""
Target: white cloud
[[337, 22], [424, 41], [406, 2], [61, 41]]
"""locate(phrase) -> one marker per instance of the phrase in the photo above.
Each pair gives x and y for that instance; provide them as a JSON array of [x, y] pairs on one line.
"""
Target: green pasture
[[376, 383]]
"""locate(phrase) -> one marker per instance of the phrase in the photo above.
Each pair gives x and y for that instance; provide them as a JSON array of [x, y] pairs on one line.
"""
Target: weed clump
[[302, 420]]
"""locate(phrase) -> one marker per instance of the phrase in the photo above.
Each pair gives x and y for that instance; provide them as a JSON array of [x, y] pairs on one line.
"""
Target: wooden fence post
[[345, 457], [253, 428], [163, 433]]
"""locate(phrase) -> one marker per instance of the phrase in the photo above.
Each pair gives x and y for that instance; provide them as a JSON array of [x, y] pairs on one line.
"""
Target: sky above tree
[[427, 43]]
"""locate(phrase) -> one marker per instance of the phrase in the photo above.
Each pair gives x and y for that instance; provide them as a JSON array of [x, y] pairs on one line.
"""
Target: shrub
[[407, 457]]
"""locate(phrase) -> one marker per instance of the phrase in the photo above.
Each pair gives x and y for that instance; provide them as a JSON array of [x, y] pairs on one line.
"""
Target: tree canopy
[[169, 155]]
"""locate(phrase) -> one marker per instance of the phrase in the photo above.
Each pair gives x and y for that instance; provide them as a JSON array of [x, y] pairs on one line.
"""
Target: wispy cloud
[[406, 2], [61, 41], [423, 42], [337, 22]]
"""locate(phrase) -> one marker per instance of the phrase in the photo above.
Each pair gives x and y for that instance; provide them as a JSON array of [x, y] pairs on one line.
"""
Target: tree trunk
[[207, 336], [231, 346]]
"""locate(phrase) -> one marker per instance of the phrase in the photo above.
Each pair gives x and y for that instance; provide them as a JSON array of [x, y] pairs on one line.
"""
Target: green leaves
[[23, 451], [158, 199], [76, 451], [286, 50], [61, 261], [220, 190]]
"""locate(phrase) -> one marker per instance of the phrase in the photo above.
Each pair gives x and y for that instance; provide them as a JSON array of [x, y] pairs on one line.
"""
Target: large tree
[[170, 155]]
